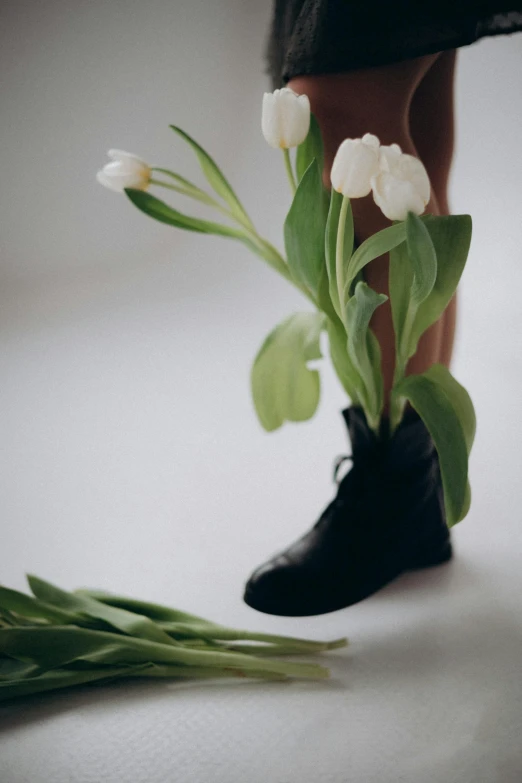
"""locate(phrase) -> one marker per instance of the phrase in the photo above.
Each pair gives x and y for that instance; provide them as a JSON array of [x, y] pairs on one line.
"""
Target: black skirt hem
[[385, 58], [327, 52]]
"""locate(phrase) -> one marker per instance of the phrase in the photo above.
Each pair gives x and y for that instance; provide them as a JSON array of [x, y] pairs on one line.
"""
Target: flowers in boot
[[125, 171], [322, 260]]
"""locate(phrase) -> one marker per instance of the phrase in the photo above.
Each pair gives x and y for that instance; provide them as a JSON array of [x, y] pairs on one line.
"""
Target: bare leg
[[433, 133], [374, 100]]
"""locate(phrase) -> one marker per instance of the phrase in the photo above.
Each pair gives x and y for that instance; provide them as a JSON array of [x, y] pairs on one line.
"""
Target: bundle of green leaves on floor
[[56, 639]]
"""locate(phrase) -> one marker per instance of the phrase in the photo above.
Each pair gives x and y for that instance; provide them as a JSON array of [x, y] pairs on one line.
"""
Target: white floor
[[133, 462]]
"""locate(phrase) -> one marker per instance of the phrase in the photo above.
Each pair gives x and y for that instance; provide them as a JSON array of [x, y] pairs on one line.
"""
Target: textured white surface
[[133, 472], [133, 462]]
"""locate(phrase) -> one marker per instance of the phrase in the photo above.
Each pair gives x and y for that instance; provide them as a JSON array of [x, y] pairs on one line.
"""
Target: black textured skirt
[[332, 36]]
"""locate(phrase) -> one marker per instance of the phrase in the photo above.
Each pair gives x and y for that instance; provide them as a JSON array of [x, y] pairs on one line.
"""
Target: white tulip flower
[[402, 184], [285, 119], [355, 163], [125, 171]]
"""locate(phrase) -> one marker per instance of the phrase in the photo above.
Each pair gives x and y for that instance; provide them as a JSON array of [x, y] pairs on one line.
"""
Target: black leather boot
[[388, 517]]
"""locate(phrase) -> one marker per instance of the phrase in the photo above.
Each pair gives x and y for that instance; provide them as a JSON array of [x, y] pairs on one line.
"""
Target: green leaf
[[56, 679], [467, 501], [460, 400], [447, 411], [158, 210], [374, 357], [215, 177], [324, 302], [330, 245], [11, 669], [363, 348], [312, 147], [304, 230], [123, 621], [174, 620], [423, 258], [283, 388], [451, 237], [29, 607], [156, 612], [373, 247], [220, 633], [187, 187], [343, 365], [400, 282]]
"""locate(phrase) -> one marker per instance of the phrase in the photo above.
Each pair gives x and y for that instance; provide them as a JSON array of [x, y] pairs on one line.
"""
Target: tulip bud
[[125, 171], [402, 184], [285, 118], [355, 163]]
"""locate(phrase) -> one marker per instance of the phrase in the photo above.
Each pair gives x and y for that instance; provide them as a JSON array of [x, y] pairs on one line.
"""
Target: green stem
[[269, 254], [240, 217], [161, 184], [397, 403], [277, 262], [195, 193], [201, 672], [339, 252], [289, 171], [396, 410], [223, 633]]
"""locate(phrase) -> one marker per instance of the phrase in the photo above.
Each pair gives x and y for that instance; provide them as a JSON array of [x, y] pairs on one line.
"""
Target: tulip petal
[[302, 120], [283, 386], [354, 165], [269, 120], [285, 118], [286, 106], [118, 176], [412, 169], [108, 182], [371, 140], [124, 171], [395, 197], [388, 156], [123, 156]]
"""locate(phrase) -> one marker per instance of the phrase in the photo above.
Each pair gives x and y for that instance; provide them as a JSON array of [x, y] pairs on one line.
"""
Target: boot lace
[[355, 485], [338, 464]]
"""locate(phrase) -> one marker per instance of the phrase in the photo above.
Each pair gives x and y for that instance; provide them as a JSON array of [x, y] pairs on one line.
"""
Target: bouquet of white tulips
[[427, 258]]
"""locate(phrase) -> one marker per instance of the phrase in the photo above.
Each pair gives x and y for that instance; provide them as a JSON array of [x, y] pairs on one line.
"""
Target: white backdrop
[[132, 458]]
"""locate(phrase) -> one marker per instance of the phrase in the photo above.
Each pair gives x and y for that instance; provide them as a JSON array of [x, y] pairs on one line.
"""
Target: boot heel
[[429, 556]]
